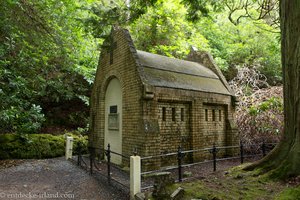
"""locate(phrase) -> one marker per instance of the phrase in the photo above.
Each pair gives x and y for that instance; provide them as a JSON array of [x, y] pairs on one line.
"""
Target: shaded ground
[[68, 181], [120, 177], [199, 171], [39, 179], [236, 184]]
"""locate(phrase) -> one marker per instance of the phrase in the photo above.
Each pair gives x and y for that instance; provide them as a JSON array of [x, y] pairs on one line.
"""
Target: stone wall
[[197, 131], [143, 125], [123, 67], [174, 124]]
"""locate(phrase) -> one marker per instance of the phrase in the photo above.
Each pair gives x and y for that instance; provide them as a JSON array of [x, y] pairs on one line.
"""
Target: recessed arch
[[113, 117]]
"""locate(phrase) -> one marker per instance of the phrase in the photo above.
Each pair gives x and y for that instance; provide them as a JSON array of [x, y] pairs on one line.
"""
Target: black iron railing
[[99, 161], [240, 152], [96, 164]]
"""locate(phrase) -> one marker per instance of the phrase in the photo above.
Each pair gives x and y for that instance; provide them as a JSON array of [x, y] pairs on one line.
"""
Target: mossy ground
[[238, 184]]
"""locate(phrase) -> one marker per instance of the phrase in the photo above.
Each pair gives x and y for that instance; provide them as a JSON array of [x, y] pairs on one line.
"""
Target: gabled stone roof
[[162, 71]]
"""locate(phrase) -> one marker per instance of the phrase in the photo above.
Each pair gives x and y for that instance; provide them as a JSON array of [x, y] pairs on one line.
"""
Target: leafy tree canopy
[[46, 57], [49, 50]]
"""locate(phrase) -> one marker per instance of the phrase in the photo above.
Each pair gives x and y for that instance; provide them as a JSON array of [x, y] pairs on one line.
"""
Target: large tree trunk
[[284, 160]]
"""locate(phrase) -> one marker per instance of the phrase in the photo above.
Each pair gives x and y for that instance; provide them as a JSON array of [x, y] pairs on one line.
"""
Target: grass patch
[[289, 194], [36, 146]]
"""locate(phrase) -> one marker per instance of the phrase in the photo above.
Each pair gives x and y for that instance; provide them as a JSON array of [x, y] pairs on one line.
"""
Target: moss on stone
[[238, 184]]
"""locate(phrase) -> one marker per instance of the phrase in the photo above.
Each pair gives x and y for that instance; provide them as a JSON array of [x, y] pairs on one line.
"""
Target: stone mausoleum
[[154, 103]]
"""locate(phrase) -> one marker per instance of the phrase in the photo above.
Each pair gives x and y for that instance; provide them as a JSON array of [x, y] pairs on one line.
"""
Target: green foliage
[[37, 146], [106, 14], [49, 54], [260, 116], [17, 113], [237, 10], [197, 8], [164, 30], [248, 44], [266, 116], [272, 103], [22, 121], [80, 140], [46, 58]]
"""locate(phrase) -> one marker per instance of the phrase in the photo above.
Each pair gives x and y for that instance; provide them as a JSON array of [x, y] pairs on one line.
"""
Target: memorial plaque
[[113, 121]]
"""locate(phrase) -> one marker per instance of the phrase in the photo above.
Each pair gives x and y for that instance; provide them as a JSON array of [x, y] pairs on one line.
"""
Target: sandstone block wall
[[192, 119]]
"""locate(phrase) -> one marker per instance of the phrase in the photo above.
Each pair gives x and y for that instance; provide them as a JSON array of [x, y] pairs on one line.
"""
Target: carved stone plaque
[[113, 121]]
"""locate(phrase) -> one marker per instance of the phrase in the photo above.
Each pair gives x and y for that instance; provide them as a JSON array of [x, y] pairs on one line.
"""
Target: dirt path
[[53, 179]]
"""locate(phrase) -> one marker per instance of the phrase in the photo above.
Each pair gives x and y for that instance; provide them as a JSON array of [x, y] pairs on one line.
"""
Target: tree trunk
[[284, 160]]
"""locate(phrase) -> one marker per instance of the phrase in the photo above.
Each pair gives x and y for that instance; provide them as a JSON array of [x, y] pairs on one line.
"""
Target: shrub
[[80, 143], [259, 116], [22, 120], [263, 120], [36, 146]]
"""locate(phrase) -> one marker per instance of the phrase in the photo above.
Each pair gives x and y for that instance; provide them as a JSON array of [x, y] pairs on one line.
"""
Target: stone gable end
[[165, 103]]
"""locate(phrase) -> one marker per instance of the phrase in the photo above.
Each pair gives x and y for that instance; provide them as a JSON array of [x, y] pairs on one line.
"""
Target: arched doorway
[[113, 119]]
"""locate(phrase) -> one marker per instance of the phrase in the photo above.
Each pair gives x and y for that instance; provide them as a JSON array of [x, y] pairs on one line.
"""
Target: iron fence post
[[79, 154], [108, 163], [242, 152], [91, 159], [179, 158], [263, 147], [214, 152]]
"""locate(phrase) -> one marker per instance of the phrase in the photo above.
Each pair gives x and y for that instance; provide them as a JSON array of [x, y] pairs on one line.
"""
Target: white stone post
[[69, 147], [135, 175]]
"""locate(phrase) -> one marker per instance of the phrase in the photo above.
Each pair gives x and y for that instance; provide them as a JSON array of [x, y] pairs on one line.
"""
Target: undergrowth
[[36, 146]]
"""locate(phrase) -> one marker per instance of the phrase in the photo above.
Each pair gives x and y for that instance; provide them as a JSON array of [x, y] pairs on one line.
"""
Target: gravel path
[[60, 179], [53, 179]]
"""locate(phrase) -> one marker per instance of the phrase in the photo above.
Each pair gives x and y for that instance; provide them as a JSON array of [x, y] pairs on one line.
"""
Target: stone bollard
[[69, 147], [161, 181], [177, 194], [135, 176]]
